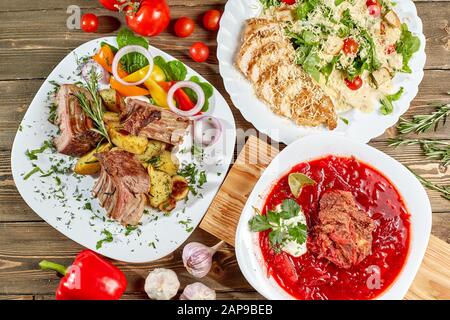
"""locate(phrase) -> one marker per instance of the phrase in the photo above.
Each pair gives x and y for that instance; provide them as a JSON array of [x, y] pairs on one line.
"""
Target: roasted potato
[[180, 188], [160, 187], [130, 143], [109, 116], [154, 149], [167, 163], [88, 164], [112, 100], [168, 205]]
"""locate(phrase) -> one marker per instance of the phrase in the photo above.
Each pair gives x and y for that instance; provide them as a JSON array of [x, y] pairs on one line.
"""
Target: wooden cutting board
[[431, 282]]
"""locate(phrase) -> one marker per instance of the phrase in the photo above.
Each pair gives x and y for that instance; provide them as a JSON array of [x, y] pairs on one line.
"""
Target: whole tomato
[[110, 4], [199, 52], [89, 22], [148, 17], [211, 20], [184, 27]]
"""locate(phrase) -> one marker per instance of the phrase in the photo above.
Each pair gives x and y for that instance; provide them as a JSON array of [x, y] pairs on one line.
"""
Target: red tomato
[[211, 20], [184, 27], [374, 7], [354, 84], [350, 47], [151, 17], [89, 22], [289, 1], [199, 52], [390, 49], [110, 4]]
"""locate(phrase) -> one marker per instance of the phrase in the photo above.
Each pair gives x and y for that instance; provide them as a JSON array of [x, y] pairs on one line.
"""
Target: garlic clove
[[161, 284], [197, 258], [198, 291]]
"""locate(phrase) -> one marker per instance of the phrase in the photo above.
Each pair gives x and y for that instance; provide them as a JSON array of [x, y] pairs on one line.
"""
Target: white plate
[[362, 126], [248, 252], [166, 233]]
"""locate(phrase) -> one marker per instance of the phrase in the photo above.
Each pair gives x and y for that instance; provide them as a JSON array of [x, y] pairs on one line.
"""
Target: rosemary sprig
[[422, 123], [433, 149], [444, 190], [93, 107]]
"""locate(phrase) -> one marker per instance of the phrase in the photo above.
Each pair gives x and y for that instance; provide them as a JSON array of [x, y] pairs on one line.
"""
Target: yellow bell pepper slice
[[157, 92], [157, 74]]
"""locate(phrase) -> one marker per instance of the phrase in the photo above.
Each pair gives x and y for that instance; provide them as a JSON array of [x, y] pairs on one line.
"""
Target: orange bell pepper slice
[[105, 57], [127, 90]]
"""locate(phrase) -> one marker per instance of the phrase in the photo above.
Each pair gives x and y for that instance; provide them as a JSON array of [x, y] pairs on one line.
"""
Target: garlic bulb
[[198, 291], [197, 258], [162, 284]]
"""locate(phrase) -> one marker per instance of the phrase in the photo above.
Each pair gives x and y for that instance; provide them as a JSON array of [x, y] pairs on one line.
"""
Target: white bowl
[[416, 200]]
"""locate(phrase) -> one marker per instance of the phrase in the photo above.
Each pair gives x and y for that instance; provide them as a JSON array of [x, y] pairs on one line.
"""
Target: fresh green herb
[[329, 67], [280, 232], [407, 46], [270, 3], [302, 9], [444, 190], [32, 154], [93, 106], [433, 149], [108, 238], [154, 160], [33, 171], [196, 179], [422, 123], [386, 102], [373, 63], [129, 229], [345, 120], [52, 113], [87, 206], [338, 2], [133, 61]]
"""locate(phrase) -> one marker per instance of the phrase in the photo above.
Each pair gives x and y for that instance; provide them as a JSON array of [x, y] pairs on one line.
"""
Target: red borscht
[[310, 277]]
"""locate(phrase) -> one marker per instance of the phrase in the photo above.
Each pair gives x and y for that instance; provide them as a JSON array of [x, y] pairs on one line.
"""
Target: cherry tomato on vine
[[199, 52], [184, 27], [354, 84], [150, 18], [89, 22], [211, 20], [110, 4], [350, 47]]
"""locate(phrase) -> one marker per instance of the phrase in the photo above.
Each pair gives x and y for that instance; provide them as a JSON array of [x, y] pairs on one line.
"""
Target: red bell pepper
[[184, 102], [90, 277]]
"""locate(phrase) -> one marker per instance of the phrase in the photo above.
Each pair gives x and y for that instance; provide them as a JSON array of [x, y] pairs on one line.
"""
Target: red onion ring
[[191, 85], [91, 65], [130, 49], [200, 131]]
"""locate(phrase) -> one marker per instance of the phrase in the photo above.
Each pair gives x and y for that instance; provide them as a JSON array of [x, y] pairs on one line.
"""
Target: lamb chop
[[76, 137]]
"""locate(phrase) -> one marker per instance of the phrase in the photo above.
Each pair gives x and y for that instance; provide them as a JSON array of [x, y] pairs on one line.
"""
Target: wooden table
[[34, 38]]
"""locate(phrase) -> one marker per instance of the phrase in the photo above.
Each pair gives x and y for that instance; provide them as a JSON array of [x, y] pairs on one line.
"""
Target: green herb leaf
[[298, 233], [407, 46], [177, 70], [386, 102], [32, 154], [108, 238], [290, 207]]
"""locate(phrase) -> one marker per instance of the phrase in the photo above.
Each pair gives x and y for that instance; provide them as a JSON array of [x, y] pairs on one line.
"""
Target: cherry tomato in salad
[[211, 20], [289, 1], [390, 49], [374, 7], [350, 47], [184, 27], [354, 84], [89, 22], [199, 52], [110, 4], [150, 18]]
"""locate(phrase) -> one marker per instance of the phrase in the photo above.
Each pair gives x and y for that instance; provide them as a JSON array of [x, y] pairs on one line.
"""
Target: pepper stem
[[48, 265]]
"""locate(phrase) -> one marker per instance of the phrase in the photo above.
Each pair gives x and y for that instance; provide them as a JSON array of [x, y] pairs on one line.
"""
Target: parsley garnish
[[280, 231], [32, 154], [108, 238]]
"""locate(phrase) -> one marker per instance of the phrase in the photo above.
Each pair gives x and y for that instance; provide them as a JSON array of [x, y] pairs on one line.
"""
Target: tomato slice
[[350, 47], [354, 84]]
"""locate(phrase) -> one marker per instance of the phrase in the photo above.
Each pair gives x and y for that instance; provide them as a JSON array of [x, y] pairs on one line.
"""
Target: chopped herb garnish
[[108, 238], [33, 171]]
